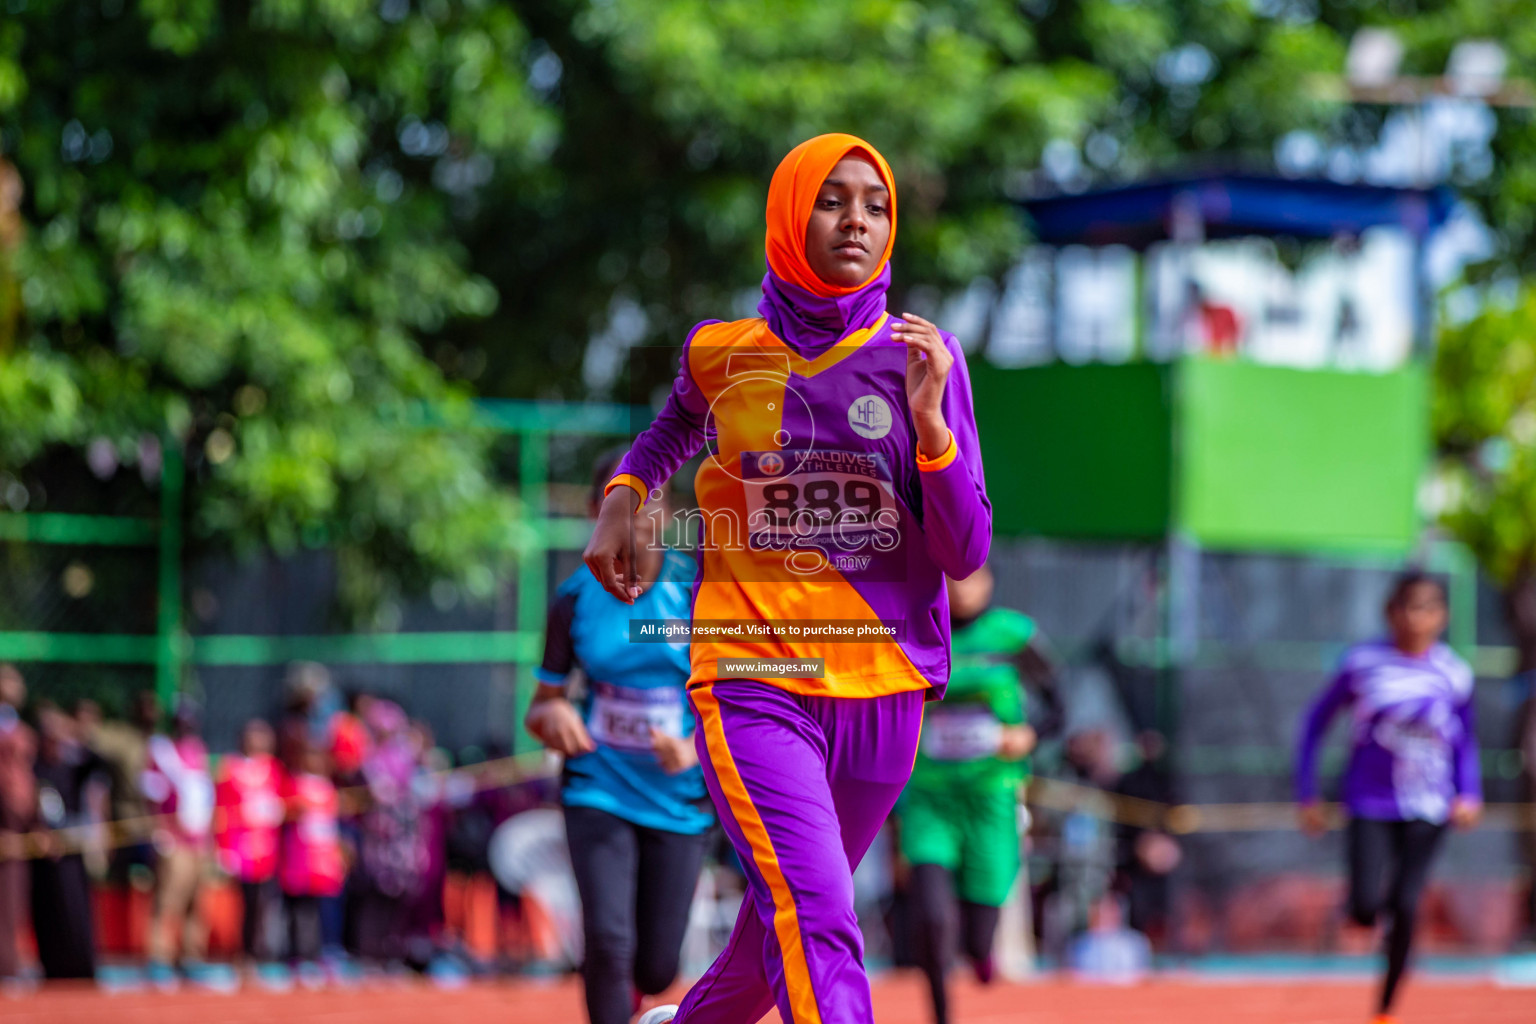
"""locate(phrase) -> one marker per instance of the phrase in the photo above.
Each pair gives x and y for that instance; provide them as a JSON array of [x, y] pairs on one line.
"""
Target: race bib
[[622, 717], [962, 734], [818, 497]]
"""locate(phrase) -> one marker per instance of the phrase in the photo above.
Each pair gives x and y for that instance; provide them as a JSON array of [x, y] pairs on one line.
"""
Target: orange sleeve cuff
[[927, 465], [634, 483]]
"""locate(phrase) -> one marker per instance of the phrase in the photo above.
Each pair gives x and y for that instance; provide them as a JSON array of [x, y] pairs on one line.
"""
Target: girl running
[[843, 481], [636, 813], [959, 816], [1413, 763]]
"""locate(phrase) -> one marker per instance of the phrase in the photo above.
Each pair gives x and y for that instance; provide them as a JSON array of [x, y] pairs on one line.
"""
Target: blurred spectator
[[471, 820], [274, 826], [477, 807], [482, 799], [1214, 325], [391, 854], [1146, 857], [124, 746], [67, 774], [1084, 849], [312, 695], [180, 793], [96, 811], [312, 866], [298, 725], [1109, 952], [87, 716], [350, 745], [349, 739], [18, 812], [249, 804], [424, 910]]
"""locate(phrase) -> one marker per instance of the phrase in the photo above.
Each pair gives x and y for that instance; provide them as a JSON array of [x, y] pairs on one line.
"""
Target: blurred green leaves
[[234, 239], [675, 113], [1485, 425], [247, 223]]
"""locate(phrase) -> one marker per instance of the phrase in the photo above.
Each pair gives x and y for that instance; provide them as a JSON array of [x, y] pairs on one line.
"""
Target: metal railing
[[171, 649]]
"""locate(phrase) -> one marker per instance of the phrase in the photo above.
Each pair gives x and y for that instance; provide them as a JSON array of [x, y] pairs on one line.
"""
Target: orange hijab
[[792, 196]]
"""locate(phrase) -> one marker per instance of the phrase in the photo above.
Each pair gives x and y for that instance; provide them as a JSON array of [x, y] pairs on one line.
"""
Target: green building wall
[[1232, 455]]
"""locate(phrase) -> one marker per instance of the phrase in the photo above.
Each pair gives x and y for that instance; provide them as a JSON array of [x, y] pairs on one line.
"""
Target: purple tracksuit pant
[[802, 785]]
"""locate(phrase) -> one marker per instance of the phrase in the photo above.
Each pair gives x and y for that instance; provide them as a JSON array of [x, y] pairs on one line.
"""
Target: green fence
[[1230, 454], [170, 650]]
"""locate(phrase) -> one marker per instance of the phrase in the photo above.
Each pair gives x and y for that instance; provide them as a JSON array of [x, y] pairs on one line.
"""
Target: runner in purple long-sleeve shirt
[[843, 482], [1413, 762]]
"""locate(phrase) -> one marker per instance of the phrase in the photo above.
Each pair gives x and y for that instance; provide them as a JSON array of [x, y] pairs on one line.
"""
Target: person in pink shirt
[[310, 862], [179, 793], [248, 813]]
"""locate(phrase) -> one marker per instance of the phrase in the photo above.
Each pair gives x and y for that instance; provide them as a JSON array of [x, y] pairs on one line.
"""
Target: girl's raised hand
[[928, 364]]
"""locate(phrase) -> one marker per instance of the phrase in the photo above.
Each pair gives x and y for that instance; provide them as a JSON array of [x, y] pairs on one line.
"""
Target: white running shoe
[[658, 1015]]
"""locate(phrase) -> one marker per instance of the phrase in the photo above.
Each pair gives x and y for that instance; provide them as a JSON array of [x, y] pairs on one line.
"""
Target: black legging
[[636, 888], [934, 917], [305, 933], [256, 899], [1388, 866]]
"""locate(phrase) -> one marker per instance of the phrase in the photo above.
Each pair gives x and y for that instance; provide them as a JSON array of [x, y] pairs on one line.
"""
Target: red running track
[[898, 1000]]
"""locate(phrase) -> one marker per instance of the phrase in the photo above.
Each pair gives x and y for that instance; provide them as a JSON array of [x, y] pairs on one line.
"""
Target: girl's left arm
[[1469, 776]]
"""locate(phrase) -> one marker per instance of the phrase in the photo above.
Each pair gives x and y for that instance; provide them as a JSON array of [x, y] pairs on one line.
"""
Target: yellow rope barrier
[[1184, 819], [1040, 794], [113, 835]]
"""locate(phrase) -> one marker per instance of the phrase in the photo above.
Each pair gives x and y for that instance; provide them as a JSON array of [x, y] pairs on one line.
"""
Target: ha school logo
[[870, 417]]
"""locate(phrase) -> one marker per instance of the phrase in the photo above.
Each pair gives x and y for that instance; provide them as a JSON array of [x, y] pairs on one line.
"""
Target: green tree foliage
[[247, 225], [649, 217], [1485, 369], [1502, 187], [239, 224], [1485, 426]]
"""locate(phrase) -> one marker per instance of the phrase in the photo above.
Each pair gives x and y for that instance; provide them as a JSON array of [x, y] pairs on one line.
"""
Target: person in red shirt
[[310, 862], [249, 812]]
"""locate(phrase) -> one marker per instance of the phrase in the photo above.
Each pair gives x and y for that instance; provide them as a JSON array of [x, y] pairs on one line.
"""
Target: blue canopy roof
[[1231, 205]]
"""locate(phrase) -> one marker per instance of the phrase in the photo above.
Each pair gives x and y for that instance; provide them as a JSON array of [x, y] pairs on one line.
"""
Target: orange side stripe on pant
[[786, 922]]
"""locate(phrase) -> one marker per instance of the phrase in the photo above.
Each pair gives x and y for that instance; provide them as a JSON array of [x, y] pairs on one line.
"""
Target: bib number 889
[[856, 501]]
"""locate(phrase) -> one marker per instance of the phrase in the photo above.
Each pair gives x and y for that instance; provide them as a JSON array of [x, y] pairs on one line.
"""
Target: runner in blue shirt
[[636, 810]]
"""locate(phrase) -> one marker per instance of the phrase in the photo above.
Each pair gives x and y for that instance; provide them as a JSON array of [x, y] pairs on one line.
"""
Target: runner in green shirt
[[958, 817]]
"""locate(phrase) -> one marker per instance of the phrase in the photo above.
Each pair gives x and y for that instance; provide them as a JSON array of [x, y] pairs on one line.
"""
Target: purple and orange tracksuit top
[[814, 501]]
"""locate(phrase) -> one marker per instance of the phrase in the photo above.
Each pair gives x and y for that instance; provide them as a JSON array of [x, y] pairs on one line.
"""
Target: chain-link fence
[[1222, 690]]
